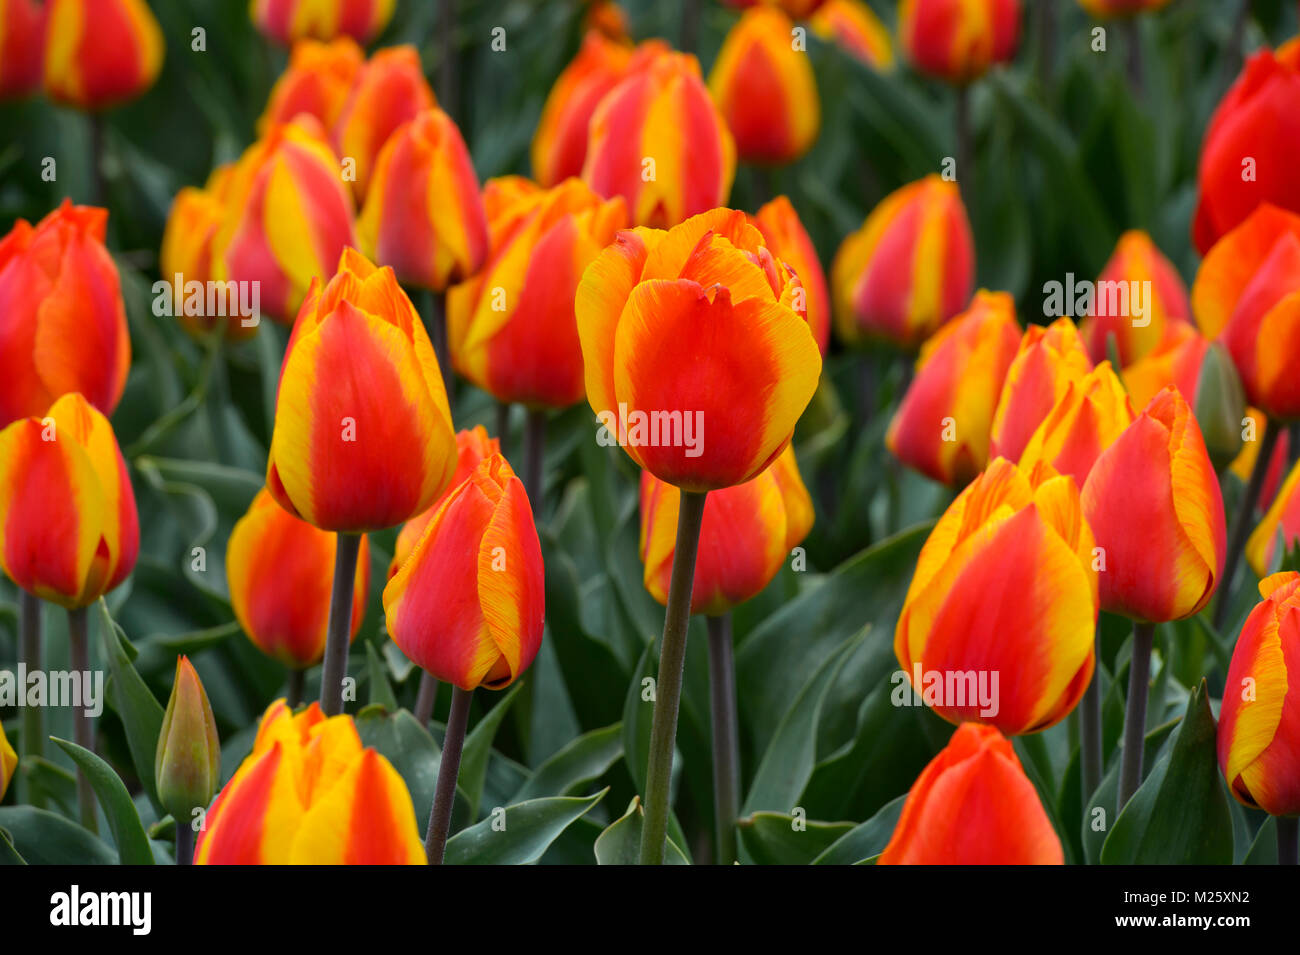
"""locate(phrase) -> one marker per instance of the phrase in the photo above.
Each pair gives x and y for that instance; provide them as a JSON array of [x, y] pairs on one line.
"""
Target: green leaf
[[136, 706], [8, 854], [530, 827], [128, 831], [638, 716], [584, 759], [381, 691], [45, 838], [1263, 851], [400, 739], [478, 746], [866, 841], [620, 843], [771, 838]]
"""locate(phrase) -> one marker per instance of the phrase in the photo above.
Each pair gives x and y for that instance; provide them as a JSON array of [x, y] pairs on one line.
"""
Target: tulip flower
[[765, 88], [657, 140], [292, 167], [99, 53], [8, 763], [1120, 8], [607, 18], [62, 322], [311, 794], [22, 49], [1091, 414], [287, 21], [795, 9], [1049, 361], [318, 81], [909, 269], [1248, 154], [943, 423], [1259, 739], [1244, 464], [389, 90], [1150, 297], [784, 234], [1005, 587], [1279, 529], [958, 40], [974, 805], [855, 28], [187, 764]]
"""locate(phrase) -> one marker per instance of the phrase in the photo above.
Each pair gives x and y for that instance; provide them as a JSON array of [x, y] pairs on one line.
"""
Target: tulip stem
[[965, 176], [437, 311], [690, 25], [726, 746], [297, 677], [435, 842], [426, 698], [503, 425], [1090, 734], [535, 440], [1242, 521], [1046, 41], [1288, 840], [447, 59], [98, 182], [1135, 713], [83, 732], [184, 843], [338, 635], [668, 688], [29, 612], [1133, 33]]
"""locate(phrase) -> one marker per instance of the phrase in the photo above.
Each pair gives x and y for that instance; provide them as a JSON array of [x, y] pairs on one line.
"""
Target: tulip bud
[[765, 88], [389, 90], [1154, 504], [187, 765], [691, 327], [909, 269], [1248, 154], [99, 53], [747, 533], [8, 762], [511, 328], [62, 321], [310, 794], [1049, 361], [606, 18], [943, 423], [785, 236], [1259, 739], [363, 437], [287, 21], [22, 46], [958, 40], [1120, 8], [468, 605], [279, 570], [1091, 414], [974, 805], [856, 29], [318, 81], [1220, 404], [657, 140], [1139, 296]]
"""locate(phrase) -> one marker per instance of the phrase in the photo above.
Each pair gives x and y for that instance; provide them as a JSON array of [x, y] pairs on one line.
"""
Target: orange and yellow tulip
[[943, 423], [1175, 361], [855, 28], [765, 88], [187, 761], [747, 532], [69, 532], [788, 240], [1244, 464], [363, 437], [974, 805], [1154, 505], [1259, 722], [511, 328], [909, 269], [423, 214], [696, 327], [62, 321], [1004, 589], [99, 53], [22, 50], [468, 605], [1137, 265], [1280, 527], [311, 794], [657, 140], [1092, 413], [958, 40], [286, 21], [8, 762], [318, 81], [1049, 361]]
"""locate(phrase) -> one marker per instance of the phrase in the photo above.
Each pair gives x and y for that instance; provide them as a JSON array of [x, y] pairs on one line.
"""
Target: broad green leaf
[[42, 837], [1099, 816], [638, 716], [867, 840], [620, 843], [381, 691], [519, 834], [1263, 851], [478, 746], [400, 739], [8, 854], [136, 706], [584, 759], [128, 831], [777, 838]]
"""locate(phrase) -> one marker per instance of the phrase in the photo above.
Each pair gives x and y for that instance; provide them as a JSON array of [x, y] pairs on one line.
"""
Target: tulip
[[909, 269], [1243, 465], [1049, 361], [187, 764], [310, 794], [22, 47], [1091, 414], [784, 234], [287, 21], [1248, 154], [958, 40], [1005, 586], [1280, 526], [318, 81], [657, 140], [389, 90], [291, 168], [855, 28], [765, 88], [974, 805], [99, 53], [795, 9], [8, 763], [606, 18], [1120, 8], [1145, 280]]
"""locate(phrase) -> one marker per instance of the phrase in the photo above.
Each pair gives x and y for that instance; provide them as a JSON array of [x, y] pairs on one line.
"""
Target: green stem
[[1243, 520], [426, 698], [535, 444], [98, 181], [339, 633], [726, 746], [435, 842], [1288, 839], [1135, 72], [503, 425], [965, 154], [1090, 734], [1135, 714], [447, 59], [668, 688], [297, 677], [82, 731], [184, 842], [33, 736], [437, 310]]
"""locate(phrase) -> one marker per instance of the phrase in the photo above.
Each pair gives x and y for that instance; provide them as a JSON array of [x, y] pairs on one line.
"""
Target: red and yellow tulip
[[1138, 265], [974, 805], [855, 28], [1244, 464], [8, 762], [468, 605], [1120, 8], [958, 40], [187, 761], [69, 532], [788, 240], [1049, 361], [22, 51], [943, 424], [909, 269], [318, 81], [747, 532], [311, 794], [1092, 413], [286, 21], [62, 321], [1280, 527], [99, 53]]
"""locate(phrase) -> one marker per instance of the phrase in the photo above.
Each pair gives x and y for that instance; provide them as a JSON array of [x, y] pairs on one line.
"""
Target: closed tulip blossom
[[62, 322], [22, 51], [1120, 8], [187, 762], [784, 234], [909, 269], [1049, 361], [99, 53], [855, 28], [1091, 414], [1148, 298], [974, 805], [286, 21], [943, 423], [318, 81], [310, 794], [958, 40]]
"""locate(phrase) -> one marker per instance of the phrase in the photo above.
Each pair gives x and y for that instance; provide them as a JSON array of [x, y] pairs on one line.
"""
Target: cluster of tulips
[[1086, 457]]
